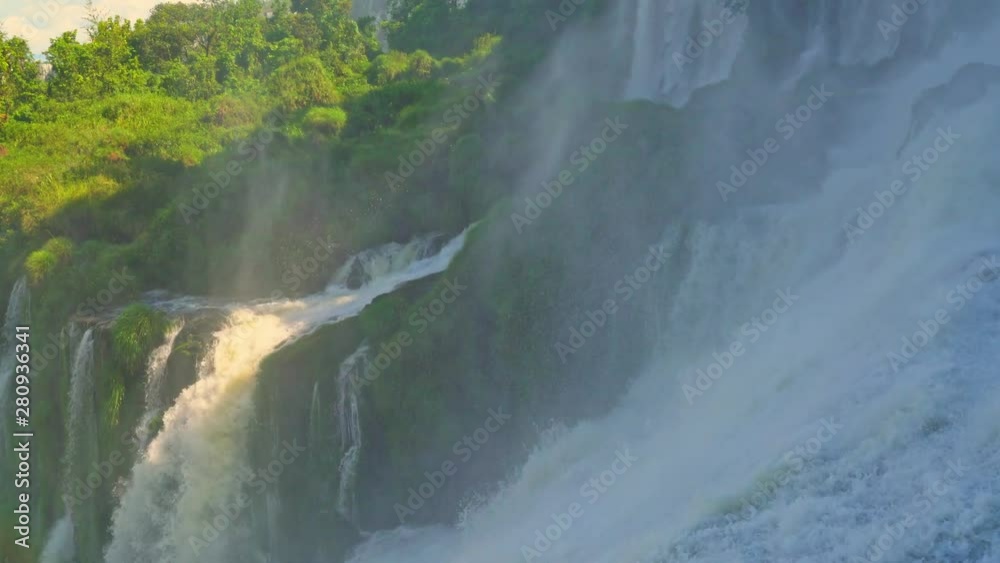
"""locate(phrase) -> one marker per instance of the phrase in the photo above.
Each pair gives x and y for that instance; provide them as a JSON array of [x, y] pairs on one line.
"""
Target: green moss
[[384, 316], [135, 333], [44, 262]]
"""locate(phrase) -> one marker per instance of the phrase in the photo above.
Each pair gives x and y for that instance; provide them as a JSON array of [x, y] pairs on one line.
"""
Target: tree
[[106, 65], [114, 60], [19, 81], [72, 68], [226, 36], [173, 33], [439, 26], [302, 83]]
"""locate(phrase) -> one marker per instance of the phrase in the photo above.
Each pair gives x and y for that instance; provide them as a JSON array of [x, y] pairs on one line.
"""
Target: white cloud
[[38, 21]]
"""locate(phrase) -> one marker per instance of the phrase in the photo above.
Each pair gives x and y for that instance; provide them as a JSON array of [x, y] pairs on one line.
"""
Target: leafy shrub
[[230, 111], [326, 121], [41, 263], [302, 83], [389, 67], [421, 64]]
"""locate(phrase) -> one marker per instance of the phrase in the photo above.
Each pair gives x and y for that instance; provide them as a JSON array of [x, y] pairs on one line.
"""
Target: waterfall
[[377, 9], [680, 46], [82, 426], [173, 510], [829, 393], [155, 369], [370, 8], [81, 450], [674, 52], [349, 421], [59, 544], [17, 308], [316, 420], [385, 260]]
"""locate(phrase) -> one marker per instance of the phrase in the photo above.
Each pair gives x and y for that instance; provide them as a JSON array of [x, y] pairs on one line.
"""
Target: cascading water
[[369, 8], [82, 427], [81, 448], [316, 421], [830, 391], [155, 369], [190, 473], [349, 421], [377, 9], [680, 46], [59, 544], [668, 63], [379, 262], [16, 310]]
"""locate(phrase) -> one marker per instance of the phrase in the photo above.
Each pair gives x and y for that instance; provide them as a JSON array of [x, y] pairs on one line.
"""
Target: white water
[[826, 357], [81, 445], [59, 546], [349, 422], [680, 46], [378, 9], [16, 309], [664, 65], [155, 369], [383, 261], [190, 469], [82, 427], [316, 421]]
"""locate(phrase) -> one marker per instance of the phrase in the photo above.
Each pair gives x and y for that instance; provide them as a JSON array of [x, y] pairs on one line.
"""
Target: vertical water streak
[[81, 439], [380, 10], [16, 310], [679, 46], [198, 463], [349, 421], [155, 370], [82, 425], [315, 420], [59, 544]]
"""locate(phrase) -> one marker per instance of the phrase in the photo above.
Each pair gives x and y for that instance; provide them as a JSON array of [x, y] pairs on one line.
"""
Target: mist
[[644, 281]]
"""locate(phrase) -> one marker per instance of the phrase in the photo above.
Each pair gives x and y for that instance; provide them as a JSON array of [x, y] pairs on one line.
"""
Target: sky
[[38, 21]]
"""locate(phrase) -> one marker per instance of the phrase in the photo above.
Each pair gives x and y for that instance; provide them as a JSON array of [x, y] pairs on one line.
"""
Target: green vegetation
[[137, 330]]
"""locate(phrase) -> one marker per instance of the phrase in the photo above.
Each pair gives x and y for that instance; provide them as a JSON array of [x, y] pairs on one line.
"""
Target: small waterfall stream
[[17, 308], [174, 508], [349, 421], [155, 370]]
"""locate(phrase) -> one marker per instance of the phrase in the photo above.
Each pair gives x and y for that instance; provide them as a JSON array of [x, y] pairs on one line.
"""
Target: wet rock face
[[193, 342], [357, 276]]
